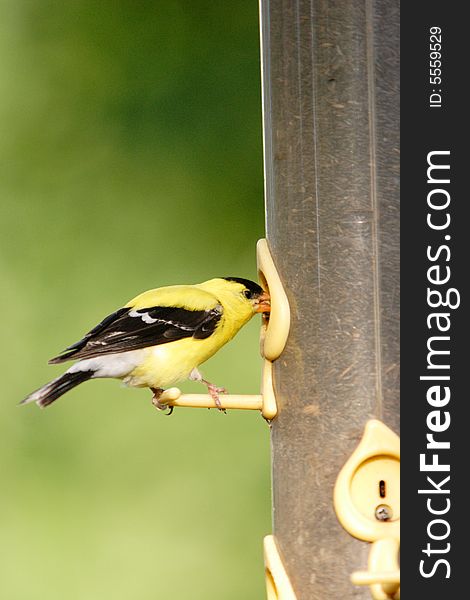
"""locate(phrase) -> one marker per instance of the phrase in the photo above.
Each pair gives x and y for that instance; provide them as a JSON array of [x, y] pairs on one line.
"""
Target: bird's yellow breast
[[166, 364]]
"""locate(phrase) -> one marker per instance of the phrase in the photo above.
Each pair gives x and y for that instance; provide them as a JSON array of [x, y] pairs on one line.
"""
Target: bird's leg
[[213, 390], [157, 392]]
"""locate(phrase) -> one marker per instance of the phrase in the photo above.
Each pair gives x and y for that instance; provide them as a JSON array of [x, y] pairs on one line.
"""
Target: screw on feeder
[[383, 512]]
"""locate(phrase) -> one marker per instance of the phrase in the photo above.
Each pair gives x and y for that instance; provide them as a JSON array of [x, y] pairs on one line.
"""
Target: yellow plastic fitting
[[367, 504], [265, 402], [269, 409], [278, 585], [174, 397], [276, 329], [383, 574]]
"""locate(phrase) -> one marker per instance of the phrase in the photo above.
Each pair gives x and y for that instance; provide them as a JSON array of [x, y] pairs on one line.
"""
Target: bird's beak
[[264, 303]]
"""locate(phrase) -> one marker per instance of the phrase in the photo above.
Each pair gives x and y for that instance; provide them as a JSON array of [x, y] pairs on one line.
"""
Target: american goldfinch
[[160, 337]]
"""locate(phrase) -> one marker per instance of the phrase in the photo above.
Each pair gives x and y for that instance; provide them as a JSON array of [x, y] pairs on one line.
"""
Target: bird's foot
[[157, 392], [214, 392]]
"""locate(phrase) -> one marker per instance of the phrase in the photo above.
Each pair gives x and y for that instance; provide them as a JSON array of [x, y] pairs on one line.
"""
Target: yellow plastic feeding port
[[276, 329], [278, 585], [367, 503], [274, 333]]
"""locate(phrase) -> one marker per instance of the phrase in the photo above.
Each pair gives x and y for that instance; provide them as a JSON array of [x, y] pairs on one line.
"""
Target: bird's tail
[[46, 394]]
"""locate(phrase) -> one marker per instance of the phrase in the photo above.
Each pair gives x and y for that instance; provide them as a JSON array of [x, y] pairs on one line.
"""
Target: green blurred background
[[130, 158]]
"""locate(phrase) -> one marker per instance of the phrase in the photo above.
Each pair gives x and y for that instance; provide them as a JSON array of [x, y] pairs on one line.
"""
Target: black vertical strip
[[434, 119]]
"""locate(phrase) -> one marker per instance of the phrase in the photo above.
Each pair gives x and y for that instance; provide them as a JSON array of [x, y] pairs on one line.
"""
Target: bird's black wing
[[132, 329]]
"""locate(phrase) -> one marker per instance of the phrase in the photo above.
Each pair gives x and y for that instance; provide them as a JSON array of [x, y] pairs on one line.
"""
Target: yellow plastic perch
[[174, 397]]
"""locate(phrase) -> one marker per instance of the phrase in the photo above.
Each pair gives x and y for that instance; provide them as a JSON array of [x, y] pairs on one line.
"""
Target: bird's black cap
[[250, 285]]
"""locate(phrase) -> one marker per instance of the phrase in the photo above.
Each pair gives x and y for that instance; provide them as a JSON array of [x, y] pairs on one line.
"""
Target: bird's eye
[[247, 294]]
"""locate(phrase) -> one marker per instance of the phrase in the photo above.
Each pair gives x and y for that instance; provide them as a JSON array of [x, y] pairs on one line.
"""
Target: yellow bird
[[160, 337]]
